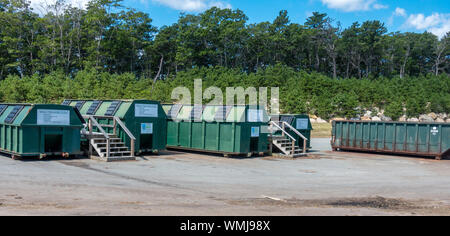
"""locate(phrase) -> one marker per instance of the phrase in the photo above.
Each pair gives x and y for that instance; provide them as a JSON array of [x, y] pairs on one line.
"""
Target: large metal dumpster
[[39, 130], [145, 120], [421, 139], [301, 122], [228, 130]]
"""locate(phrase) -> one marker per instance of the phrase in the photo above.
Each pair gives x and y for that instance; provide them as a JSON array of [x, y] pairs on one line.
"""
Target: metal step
[[100, 145], [113, 159], [113, 148]]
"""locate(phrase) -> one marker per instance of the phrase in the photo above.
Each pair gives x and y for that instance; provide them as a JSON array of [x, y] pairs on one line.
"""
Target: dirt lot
[[175, 183], [321, 130]]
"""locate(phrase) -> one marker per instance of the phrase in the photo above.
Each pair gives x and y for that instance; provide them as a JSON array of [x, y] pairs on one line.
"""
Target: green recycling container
[[300, 122], [37, 130], [411, 138], [228, 130], [145, 119]]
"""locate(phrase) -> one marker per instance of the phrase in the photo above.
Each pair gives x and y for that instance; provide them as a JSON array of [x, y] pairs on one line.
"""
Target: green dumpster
[[300, 122], [28, 130], [145, 119], [228, 130], [411, 138]]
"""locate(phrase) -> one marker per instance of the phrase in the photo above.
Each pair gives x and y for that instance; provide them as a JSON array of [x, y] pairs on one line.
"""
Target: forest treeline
[[300, 92], [109, 51], [111, 38]]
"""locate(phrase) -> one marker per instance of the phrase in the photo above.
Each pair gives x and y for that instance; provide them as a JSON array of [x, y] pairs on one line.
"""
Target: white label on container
[[147, 128], [255, 132], [435, 131], [146, 110], [53, 117], [255, 115], [302, 124]]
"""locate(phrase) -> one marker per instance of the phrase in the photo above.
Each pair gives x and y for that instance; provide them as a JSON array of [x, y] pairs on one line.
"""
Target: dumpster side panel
[[185, 134], [212, 136], [239, 143], [424, 139], [172, 133], [226, 137], [197, 135]]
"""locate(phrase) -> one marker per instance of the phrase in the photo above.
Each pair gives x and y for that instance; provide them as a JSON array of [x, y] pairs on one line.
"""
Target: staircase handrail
[[282, 130], [294, 129]]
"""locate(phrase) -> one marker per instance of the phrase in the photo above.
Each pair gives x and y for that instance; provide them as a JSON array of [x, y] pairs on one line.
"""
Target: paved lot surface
[[175, 183]]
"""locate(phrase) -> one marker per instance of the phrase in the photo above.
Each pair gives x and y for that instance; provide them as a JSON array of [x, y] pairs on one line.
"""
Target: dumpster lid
[[3, 108], [222, 113], [197, 112], [112, 109], [79, 105], [287, 119], [174, 110], [13, 114], [94, 107]]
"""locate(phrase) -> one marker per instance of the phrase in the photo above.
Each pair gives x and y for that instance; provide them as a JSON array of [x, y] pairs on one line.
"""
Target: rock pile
[[379, 116]]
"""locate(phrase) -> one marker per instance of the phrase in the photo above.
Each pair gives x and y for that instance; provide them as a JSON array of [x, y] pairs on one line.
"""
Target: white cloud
[[193, 5], [400, 12], [354, 5], [436, 23], [378, 6]]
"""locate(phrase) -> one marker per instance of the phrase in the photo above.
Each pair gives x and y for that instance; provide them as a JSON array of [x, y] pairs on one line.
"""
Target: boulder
[[368, 114], [433, 115], [336, 119], [320, 121], [313, 117], [442, 115], [376, 118], [403, 118], [385, 118], [313, 120], [425, 118], [447, 120], [366, 118], [440, 120], [413, 119]]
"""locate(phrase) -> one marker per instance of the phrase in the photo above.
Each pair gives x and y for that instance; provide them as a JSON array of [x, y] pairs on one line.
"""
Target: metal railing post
[[108, 144], [90, 136]]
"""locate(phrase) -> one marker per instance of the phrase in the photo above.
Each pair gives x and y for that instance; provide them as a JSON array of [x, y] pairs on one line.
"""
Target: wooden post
[[132, 147], [293, 148], [114, 125], [304, 145], [282, 126]]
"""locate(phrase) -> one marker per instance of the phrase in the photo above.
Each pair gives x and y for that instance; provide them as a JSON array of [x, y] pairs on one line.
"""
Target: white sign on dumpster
[[53, 117], [302, 124], [254, 115], [147, 128], [146, 110], [255, 132]]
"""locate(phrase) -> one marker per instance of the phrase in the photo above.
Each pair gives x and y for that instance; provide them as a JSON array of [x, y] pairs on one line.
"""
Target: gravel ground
[[175, 183]]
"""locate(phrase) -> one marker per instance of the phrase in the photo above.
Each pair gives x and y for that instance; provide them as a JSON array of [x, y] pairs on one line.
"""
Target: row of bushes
[[300, 92]]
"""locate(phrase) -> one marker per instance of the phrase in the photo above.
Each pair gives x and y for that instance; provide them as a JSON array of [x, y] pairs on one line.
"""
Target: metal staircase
[[285, 142], [108, 147]]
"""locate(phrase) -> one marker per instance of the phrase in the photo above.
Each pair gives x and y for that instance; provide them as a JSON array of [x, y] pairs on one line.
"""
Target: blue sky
[[399, 15]]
